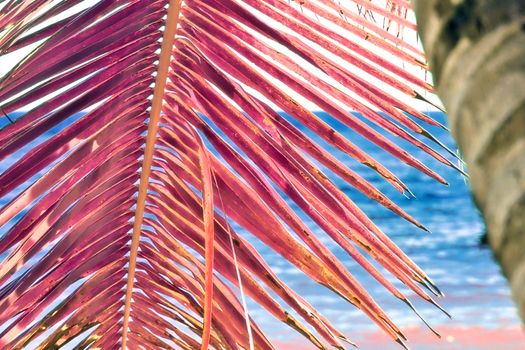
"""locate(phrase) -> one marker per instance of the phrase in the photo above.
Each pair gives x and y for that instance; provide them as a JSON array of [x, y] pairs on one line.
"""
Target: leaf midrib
[[153, 125]]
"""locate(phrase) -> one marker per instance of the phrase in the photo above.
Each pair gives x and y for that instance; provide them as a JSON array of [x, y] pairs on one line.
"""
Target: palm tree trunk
[[476, 51]]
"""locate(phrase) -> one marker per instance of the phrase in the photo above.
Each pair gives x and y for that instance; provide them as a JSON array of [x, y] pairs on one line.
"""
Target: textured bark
[[476, 51]]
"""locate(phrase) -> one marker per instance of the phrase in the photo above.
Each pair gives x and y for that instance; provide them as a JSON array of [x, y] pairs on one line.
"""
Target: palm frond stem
[[153, 126]]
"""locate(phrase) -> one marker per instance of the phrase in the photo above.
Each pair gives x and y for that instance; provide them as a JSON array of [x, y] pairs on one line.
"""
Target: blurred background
[[454, 255]]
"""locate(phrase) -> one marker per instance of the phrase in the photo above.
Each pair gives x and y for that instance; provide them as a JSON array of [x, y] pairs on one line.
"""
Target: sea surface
[[477, 296]]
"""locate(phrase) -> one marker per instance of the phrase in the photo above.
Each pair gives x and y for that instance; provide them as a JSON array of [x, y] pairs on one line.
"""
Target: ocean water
[[477, 295]]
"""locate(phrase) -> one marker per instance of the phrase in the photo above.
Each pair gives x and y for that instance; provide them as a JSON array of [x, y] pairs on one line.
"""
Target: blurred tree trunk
[[476, 51]]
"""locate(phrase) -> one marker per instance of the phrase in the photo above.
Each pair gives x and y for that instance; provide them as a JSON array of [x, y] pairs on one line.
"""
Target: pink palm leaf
[[118, 226]]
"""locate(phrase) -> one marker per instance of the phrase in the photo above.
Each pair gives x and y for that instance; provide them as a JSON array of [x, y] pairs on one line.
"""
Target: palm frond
[[150, 133]]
